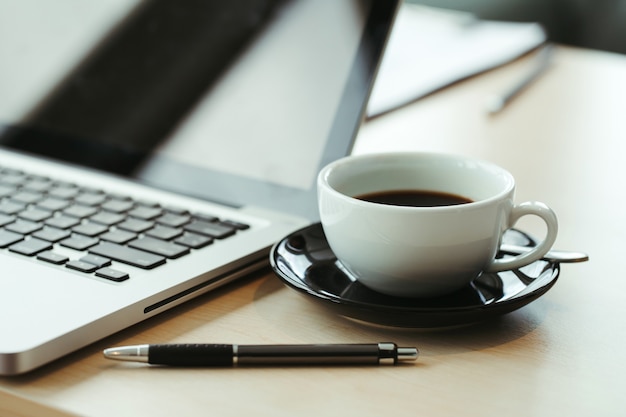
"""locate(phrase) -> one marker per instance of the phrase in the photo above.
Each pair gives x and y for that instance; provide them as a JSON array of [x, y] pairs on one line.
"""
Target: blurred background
[[596, 24]]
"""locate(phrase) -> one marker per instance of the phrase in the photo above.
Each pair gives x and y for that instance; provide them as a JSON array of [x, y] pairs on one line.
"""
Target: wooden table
[[565, 141]]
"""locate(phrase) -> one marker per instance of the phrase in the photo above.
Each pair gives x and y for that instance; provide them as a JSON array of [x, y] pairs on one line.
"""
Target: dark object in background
[[595, 24]]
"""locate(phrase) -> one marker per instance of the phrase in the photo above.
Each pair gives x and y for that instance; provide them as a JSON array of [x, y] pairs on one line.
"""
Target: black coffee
[[414, 198]]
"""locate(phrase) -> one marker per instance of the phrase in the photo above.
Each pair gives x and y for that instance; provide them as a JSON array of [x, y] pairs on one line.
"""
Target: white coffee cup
[[416, 251]]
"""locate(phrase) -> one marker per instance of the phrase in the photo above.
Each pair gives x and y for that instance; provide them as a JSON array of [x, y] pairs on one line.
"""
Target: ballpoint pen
[[498, 102], [385, 353]]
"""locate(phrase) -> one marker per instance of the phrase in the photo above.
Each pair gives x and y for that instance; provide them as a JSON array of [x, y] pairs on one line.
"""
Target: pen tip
[[127, 353], [495, 104], [407, 354]]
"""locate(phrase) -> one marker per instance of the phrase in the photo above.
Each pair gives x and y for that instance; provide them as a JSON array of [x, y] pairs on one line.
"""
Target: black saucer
[[305, 263]]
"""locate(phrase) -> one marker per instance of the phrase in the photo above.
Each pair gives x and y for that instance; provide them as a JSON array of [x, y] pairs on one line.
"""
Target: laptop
[[151, 151]]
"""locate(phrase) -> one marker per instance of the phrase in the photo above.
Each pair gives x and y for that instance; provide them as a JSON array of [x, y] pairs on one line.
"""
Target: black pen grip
[[191, 355]]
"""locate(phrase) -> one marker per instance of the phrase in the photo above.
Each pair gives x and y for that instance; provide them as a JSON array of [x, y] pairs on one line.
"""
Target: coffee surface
[[414, 198]]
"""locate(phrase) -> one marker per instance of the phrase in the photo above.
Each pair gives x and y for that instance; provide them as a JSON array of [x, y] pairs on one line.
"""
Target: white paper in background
[[431, 48]]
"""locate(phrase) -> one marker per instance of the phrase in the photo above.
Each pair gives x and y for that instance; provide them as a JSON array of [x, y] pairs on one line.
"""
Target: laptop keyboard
[[38, 215]]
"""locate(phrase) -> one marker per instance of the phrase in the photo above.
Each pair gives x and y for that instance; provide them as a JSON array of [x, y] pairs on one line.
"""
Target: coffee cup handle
[[549, 217]]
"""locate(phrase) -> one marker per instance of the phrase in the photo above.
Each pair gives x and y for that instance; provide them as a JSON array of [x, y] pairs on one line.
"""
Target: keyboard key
[[53, 204], [194, 241], [80, 211], [27, 197], [206, 217], [173, 220], [51, 234], [216, 230], [135, 225], [176, 210], [38, 184], [112, 274], [164, 232], [52, 257], [90, 199], [118, 236], [120, 197], [159, 247], [30, 247], [145, 213], [12, 177], [99, 261], [23, 227], [91, 190], [90, 229], [118, 206], [8, 238], [79, 242], [106, 217], [146, 203], [7, 190], [11, 207], [6, 219], [64, 192], [35, 214], [81, 266], [127, 255], [236, 225], [62, 222]]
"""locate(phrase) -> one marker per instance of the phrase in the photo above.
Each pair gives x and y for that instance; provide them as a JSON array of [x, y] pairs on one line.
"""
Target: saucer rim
[[447, 315]]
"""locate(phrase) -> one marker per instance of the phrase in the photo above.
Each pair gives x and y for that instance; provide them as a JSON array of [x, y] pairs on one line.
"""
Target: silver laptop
[[151, 151]]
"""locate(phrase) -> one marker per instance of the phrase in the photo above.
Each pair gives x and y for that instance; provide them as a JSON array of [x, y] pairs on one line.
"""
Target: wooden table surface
[[564, 140]]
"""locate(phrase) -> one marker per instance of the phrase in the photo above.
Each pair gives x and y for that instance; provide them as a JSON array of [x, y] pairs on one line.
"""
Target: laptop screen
[[240, 102]]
